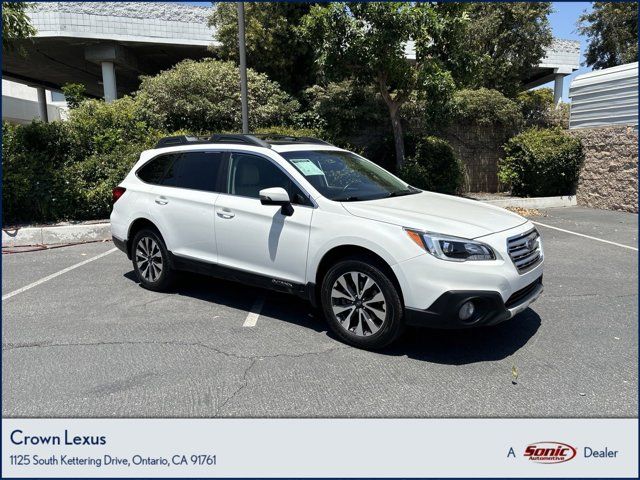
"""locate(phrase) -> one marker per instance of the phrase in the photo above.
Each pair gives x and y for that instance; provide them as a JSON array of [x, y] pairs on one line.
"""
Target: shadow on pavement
[[450, 347], [460, 347]]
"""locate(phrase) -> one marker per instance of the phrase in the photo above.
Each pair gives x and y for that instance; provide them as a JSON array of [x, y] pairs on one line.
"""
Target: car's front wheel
[[361, 303], [151, 261]]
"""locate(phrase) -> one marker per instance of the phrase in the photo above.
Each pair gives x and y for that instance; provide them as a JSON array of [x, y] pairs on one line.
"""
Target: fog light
[[466, 311]]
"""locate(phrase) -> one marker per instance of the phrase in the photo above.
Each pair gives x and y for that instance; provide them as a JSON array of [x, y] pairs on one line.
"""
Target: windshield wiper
[[400, 193], [346, 199]]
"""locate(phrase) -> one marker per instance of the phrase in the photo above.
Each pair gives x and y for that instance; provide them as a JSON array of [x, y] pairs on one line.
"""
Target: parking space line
[[252, 317], [586, 236], [57, 274]]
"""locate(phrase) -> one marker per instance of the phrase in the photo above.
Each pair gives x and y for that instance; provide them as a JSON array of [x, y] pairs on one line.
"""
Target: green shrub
[[541, 162], [538, 109], [434, 167], [204, 97], [34, 156], [105, 127], [95, 177], [66, 170], [485, 107], [289, 131]]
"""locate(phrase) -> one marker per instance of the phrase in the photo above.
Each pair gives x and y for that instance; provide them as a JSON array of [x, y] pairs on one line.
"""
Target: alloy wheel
[[358, 303], [149, 259]]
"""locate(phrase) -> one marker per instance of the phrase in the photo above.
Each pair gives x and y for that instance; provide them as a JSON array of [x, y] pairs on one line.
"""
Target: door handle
[[161, 201], [225, 213]]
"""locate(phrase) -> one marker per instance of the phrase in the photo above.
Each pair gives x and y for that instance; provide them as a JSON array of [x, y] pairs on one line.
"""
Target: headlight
[[454, 249]]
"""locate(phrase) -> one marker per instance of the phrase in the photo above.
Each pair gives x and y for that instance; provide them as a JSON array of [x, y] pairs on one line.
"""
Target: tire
[[369, 317], [148, 244]]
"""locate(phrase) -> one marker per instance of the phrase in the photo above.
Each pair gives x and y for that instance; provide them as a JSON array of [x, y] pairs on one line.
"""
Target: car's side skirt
[[305, 291]]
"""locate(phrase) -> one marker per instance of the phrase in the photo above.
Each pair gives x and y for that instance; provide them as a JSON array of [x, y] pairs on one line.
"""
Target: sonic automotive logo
[[550, 452]]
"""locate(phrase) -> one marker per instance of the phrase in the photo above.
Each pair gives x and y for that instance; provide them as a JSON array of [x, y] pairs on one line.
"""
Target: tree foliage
[[485, 107], [204, 96], [74, 94], [612, 28], [273, 45], [15, 23], [368, 41], [503, 41]]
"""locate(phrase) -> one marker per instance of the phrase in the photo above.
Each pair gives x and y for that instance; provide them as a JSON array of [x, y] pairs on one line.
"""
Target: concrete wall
[[20, 104], [609, 176]]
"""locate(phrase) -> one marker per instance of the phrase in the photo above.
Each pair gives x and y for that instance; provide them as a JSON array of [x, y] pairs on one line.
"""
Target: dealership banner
[[319, 448]]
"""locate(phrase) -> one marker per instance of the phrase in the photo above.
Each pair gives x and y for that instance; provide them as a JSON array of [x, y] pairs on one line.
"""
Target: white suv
[[302, 216]]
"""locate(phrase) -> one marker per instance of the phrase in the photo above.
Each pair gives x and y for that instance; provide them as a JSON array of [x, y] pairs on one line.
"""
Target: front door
[[258, 238]]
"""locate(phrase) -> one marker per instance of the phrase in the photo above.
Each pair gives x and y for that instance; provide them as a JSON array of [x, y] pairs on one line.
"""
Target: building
[[605, 97], [104, 45], [20, 103]]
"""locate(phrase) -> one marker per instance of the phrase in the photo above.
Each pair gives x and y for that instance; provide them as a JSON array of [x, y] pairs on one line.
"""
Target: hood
[[438, 213]]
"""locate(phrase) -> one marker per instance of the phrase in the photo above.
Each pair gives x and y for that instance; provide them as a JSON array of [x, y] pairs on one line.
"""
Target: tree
[[15, 23], [74, 94], [368, 40], [272, 44], [612, 29], [504, 40], [203, 97]]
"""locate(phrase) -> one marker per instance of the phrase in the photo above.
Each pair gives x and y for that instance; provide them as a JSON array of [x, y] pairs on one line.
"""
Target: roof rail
[[289, 138], [178, 140]]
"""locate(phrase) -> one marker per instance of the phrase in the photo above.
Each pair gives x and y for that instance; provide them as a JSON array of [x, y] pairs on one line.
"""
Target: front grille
[[522, 293], [524, 250]]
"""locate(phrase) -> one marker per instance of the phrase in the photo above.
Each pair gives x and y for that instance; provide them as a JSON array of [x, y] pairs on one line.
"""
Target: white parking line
[[252, 317], [586, 236], [57, 274]]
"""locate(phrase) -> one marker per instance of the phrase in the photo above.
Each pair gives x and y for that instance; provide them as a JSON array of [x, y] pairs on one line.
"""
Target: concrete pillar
[[42, 104], [557, 88], [109, 81]]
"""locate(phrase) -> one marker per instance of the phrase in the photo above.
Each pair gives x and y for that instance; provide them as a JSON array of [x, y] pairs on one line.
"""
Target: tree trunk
[[393, 104], [398, 138]]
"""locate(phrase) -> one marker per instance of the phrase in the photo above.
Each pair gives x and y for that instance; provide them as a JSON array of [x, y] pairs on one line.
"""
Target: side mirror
[[277, 196]]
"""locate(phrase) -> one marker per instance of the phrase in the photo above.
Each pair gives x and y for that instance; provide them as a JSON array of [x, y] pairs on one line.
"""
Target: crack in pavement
[[253, 359], [48, 344]]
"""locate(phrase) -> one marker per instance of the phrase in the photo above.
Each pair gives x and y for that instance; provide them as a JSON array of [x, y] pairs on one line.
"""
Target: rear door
[[183, 204]]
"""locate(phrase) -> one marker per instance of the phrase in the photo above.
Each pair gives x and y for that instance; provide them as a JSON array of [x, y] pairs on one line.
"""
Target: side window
[[196, 171], [248, 174], [153, 171]]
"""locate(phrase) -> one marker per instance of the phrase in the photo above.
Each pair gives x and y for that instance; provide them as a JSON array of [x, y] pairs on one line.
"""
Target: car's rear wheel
[[151, 261], [361, 303]]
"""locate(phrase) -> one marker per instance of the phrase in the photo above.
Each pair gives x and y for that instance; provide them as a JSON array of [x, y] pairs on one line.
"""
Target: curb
[[537, 202], [22, 237]]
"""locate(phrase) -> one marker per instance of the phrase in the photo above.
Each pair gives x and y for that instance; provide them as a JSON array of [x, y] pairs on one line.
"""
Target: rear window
[[153, 171], [192, 170], [196, 171]]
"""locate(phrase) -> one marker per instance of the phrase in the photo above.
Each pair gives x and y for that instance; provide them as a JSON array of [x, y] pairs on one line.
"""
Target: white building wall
[[605, 97], [20, 104]]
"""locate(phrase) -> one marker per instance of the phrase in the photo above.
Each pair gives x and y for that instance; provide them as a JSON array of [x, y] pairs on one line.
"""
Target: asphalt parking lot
[[91, 342]]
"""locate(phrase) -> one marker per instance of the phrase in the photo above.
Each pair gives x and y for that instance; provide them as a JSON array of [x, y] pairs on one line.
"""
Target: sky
[[563, 23]]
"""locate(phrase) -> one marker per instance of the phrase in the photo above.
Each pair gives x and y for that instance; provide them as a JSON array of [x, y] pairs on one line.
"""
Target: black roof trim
[[215, 138], [258, 140]]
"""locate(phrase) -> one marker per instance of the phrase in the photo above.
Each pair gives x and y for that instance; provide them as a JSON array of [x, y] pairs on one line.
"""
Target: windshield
[[346, 177]]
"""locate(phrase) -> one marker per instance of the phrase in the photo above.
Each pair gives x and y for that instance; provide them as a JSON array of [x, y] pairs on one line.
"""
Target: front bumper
[[490, 308]]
